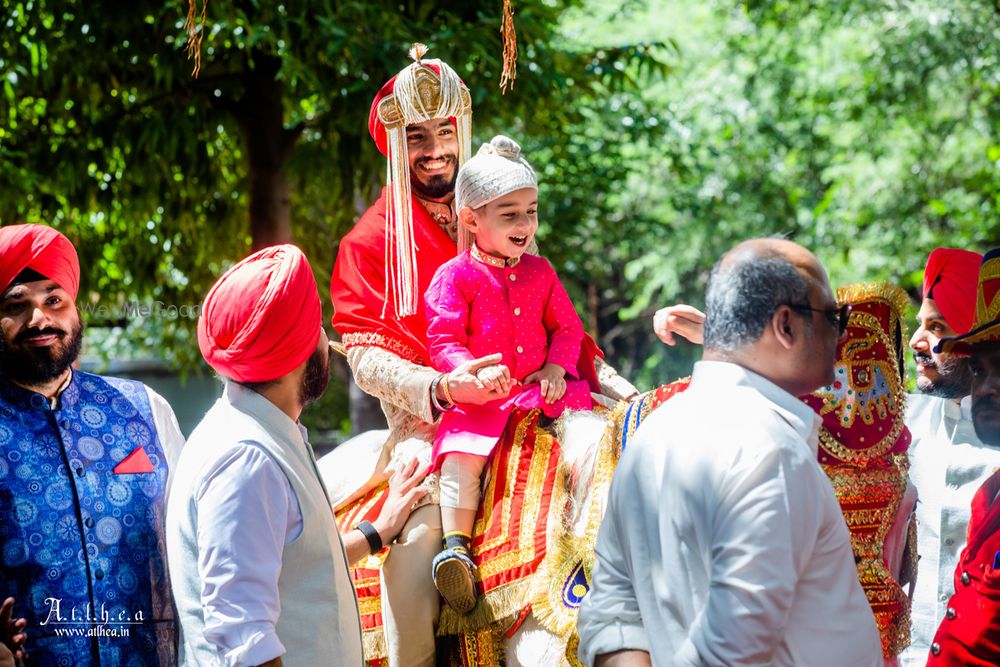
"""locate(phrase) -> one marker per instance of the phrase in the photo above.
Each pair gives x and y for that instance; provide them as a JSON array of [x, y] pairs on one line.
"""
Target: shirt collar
[[492, 260], [269, 415], [792, 409], [965, 406]]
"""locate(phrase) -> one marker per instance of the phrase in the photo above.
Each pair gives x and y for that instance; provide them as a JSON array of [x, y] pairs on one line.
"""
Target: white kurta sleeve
[[756, 548], [247, 513], [610, 619]]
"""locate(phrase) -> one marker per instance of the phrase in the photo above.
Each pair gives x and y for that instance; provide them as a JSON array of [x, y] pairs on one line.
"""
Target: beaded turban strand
[[422, 91]]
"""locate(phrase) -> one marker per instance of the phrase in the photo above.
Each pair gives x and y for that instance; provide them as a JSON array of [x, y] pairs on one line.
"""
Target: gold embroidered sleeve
[[394, 380], [612, 384]]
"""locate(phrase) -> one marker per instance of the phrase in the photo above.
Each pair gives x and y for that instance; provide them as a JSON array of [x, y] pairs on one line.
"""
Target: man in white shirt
[[723, 543], [259, 571], [948, 462]]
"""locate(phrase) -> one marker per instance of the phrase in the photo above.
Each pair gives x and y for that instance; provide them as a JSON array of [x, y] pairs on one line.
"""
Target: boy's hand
[[551, 378], [495, 378]]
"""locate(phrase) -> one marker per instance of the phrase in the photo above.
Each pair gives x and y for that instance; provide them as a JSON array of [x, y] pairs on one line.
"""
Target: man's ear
[[468, 218], [783, 327]]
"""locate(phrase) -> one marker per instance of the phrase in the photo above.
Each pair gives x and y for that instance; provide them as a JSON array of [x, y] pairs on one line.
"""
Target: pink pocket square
[[136, 462]]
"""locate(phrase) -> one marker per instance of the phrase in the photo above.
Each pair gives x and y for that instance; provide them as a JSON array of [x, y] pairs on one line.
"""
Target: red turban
[[950, 278], [41, 249], [262, 319]]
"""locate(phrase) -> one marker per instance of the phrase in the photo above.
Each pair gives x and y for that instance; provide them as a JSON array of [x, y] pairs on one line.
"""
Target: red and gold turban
[[950, 279], [986, 324], [422, 91], [42, 250], [262, 319]]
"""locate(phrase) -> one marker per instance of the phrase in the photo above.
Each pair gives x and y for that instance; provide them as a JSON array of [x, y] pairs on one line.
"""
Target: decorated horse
[[545, 490], [543, 500]]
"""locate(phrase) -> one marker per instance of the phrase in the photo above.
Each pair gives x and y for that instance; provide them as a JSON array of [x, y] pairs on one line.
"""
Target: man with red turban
[[421, 121], [969, 632], [948, 461], [84, 461], [259, 570]]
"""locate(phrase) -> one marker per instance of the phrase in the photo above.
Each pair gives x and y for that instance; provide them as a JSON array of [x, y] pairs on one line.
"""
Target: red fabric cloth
[[358, 284], [950, 278], [375, 126], [969, 634], [42, 249], [263, 317]]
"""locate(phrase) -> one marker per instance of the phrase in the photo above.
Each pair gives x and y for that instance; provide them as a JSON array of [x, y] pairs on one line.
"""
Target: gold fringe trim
[[546, 598], [572, 648], [496, 605], [373, 644], [482, 648], [509, 38], [195, 28]]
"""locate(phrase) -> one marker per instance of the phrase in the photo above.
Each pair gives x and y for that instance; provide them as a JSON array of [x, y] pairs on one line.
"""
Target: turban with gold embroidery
[[422, 91]]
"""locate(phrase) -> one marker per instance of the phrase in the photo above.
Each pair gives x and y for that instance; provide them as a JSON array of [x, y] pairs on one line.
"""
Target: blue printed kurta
[[81, 547]]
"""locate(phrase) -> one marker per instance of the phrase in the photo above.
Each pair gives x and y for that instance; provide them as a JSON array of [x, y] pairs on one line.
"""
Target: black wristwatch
[[374, 539]]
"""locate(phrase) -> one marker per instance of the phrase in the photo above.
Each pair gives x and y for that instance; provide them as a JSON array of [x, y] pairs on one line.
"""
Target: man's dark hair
[[743, 294]]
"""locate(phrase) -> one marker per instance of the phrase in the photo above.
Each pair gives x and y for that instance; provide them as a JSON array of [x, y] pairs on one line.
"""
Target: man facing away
[[723, 542], [84, 462], [969, 632], [260, 573]]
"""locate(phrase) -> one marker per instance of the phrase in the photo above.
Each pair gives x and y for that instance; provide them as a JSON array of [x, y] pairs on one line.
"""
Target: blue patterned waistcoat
[[81, 547]]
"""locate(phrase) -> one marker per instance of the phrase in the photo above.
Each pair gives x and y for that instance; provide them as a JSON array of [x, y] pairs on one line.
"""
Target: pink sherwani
[[521, 311]]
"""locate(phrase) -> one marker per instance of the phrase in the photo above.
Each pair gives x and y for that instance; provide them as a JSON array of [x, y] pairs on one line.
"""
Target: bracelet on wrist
[[434, 395], [371, 534], [446, 389]]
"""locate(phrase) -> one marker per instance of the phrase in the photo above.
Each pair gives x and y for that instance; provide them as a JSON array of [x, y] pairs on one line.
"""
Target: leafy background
[[664, 132]]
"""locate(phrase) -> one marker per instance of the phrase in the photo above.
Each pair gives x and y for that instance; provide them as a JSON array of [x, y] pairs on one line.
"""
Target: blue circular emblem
[[108, 530], [90, 447]]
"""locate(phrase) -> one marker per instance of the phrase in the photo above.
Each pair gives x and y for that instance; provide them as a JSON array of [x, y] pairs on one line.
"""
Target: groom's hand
[[465, 387]]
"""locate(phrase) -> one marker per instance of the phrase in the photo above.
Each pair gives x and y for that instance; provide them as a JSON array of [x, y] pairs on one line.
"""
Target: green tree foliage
[[162, 179], [867, 131], [663, 132]]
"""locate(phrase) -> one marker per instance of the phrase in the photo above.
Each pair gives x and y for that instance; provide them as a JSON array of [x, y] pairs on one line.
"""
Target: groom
[[379, 313]]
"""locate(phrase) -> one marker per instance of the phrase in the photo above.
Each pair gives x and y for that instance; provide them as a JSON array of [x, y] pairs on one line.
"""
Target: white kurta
[[948, 464], [723, 542], [257, 565]]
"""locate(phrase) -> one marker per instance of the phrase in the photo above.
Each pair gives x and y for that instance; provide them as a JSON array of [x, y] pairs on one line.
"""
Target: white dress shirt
[[240, 567], [948, 464], [723, 542]]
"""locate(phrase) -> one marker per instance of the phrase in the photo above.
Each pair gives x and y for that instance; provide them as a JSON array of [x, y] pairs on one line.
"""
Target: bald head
[[791, 252], [749, 283], [760, 308]]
